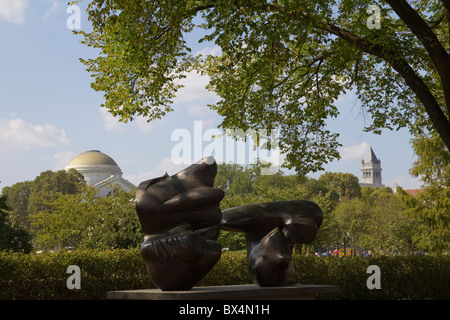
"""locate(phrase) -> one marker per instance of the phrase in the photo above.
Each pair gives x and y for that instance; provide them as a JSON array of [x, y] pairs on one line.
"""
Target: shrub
[[231, 269], [402, 277], [44, 276]]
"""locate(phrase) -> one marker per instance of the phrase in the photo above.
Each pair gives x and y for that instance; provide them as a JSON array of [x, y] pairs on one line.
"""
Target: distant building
[[412, 192], [100, 171], [371, 170]]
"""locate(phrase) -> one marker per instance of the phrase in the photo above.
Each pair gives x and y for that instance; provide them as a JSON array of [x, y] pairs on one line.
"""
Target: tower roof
[[371, 157]]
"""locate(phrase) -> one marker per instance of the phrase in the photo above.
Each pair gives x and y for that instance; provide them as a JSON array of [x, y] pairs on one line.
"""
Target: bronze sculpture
[[271, 230], [181, 220]]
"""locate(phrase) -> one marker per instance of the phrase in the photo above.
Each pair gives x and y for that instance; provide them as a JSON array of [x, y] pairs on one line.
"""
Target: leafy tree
[[346, 185], [330, 233], [115, 223], [390, 229], [243, 185], [28, 197], [349, 220], [49, 184], [233, 241], [62, 219], [237, 183], [433, 160], [430, 209], [384, 222], [83, 220], [12, 237], [276, 187], [17, 200], [226, 174], [287, 61]]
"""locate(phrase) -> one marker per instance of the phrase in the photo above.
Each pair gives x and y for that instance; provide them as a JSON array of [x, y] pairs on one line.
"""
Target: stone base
[[231, 292]]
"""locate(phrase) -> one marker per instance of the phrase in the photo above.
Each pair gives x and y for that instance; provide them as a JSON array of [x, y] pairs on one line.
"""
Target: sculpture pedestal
[[230, 292]]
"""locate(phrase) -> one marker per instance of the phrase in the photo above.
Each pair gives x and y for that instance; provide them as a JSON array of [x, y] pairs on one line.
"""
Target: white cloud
[[349, 97], [166, 165], [354, 152], [193, 96], [203, 112], [195, 89], [55, 5], [214, 51], [404, 181], [13, 10], [109, 121], [18, 135], [143, 125], [63, 158], [198, 109]]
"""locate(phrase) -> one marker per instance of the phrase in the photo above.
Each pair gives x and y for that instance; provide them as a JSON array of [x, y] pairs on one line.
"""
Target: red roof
[[412, 192]]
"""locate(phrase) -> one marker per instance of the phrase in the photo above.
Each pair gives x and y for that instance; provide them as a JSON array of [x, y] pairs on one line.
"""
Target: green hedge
[[402, 277], [44, 276]]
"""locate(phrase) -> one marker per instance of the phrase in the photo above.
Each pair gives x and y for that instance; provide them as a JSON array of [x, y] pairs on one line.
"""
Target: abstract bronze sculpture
[[271, 230], [181, 220]]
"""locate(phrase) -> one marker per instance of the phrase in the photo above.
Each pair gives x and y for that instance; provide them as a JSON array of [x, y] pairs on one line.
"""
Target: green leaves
[[142, 56], [86, 221], [432, 165], [13, 237], [283, 65]]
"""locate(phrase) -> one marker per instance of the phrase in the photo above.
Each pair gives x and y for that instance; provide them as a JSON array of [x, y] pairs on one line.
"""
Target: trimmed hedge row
[[44, 276], [401, 277]]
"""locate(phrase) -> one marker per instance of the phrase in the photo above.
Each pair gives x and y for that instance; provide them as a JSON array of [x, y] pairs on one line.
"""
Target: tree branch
[[434, 24], [437, 52], [421, 29], [446, 4], [413, 80]]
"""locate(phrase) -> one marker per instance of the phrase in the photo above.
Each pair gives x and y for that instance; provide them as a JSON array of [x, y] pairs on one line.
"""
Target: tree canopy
[[432, 165], [364, 217], [12, 236], [27, 197], [86, 221], [283, 64]]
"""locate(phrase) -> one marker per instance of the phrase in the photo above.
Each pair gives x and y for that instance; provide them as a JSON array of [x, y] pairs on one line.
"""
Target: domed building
[[100, 171]]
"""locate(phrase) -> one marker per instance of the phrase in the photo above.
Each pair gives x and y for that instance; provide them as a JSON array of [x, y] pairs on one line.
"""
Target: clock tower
[[371, 170]]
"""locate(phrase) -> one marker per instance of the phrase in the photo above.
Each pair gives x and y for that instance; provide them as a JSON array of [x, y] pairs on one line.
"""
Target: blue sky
[[49, 113]]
